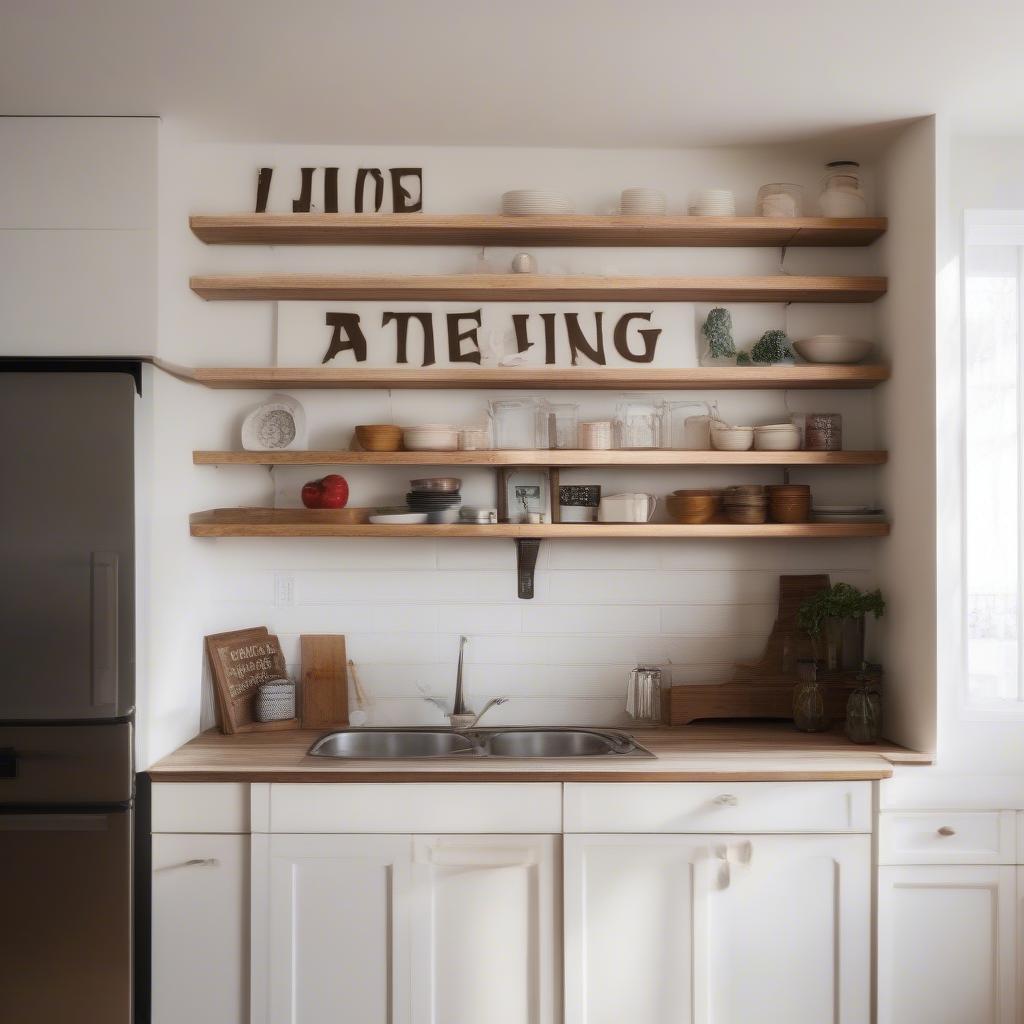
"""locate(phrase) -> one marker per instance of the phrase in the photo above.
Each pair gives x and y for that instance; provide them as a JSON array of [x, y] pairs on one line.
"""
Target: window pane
[[992, 309]]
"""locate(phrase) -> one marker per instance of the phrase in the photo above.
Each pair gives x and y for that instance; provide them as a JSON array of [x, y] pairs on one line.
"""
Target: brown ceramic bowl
[[693, 509], [379, 437]]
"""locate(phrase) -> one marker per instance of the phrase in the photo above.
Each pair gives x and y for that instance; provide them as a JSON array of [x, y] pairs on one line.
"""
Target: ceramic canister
[[577, 503]]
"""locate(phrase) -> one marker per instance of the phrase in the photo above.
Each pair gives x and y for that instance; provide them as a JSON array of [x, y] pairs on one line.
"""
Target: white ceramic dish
[[529, 201], [777, 437], [278, 425], [832, 348], [642, 202], [732, 439], [399, 518], [431, 437]]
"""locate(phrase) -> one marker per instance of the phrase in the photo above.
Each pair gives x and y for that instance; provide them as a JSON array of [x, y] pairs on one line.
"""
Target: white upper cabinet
[[717, 929], [78, 236]]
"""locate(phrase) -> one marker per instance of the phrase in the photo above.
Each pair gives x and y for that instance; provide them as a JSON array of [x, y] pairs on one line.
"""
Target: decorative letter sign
[[446, 334], [406, 190]]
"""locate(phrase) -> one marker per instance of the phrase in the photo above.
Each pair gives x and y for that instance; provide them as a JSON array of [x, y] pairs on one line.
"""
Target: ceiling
[[646, 73]]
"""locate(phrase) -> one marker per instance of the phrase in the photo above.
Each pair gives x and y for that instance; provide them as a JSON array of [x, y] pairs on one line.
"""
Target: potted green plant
[[717, 331], [772, 347], [827, 612]]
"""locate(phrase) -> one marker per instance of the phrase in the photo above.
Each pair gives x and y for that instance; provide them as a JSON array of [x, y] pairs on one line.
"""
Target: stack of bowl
[[694, 507], [777, 437], [438, 496], [714, 202], [642, 202], [726, 438], [747, 504], [789, 503]]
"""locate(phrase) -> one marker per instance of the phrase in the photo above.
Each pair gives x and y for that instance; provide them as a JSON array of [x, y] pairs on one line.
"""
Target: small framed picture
[[524, 491]]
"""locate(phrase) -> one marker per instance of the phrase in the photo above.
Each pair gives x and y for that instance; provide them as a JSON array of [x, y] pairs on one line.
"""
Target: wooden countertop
[[743, 752]]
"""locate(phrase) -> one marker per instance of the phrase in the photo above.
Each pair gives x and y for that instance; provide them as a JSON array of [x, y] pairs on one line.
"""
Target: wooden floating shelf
[[540, 457], [264, 522], [488, 229], [539, 288], [737, 378]]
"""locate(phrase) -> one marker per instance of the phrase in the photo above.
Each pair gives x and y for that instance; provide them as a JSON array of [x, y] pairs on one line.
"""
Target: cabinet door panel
[[717, 929], [330, 929], [200, 927], [946, 944], [485, 922], [629, 908]]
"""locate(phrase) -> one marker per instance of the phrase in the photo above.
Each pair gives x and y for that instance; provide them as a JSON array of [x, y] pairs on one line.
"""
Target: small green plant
[[743, 359], [717, 331], [772, 347], [836, 603]]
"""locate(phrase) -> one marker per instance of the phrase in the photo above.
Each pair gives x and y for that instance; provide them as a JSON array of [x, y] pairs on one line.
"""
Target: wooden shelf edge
[[540, 457], [258, 522], [737, 378], [538, 287], [568, 230]]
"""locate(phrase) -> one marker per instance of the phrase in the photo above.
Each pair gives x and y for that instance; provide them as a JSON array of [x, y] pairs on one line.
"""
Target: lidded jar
[[841, 192]]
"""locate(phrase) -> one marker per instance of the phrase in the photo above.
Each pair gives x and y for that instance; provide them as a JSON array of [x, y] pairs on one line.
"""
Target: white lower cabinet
[[947, 944], [401, 929], [200, 908], [697, 929]]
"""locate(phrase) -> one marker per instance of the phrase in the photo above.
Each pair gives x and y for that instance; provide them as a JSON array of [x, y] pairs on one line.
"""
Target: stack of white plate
[[642, 202], [714, 202], [525, 202]]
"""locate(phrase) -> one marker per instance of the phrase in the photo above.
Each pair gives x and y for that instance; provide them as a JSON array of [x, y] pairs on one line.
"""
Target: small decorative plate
[[279, 424]]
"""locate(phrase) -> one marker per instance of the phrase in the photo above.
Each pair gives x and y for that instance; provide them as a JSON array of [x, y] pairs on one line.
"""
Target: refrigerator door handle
[[104, 628]]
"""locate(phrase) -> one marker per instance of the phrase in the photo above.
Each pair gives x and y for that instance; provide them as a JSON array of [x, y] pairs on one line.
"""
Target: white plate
[[399, 518], [277, 425], [832, 348]]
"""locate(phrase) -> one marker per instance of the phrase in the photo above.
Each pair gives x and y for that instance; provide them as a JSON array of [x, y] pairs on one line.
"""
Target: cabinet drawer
[[416, 807], [201, 807], [712, 807], [946, 837]]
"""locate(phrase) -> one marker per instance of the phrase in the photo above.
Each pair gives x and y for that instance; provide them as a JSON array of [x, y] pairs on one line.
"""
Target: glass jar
[[780, 199], [841, 192], [639, 422], [643, 694], [689, 425], [514, 423], [808, 699], [558, 425], [864, 708]]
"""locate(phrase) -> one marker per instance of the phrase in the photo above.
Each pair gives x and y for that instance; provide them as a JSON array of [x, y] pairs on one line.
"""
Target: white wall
[[906, 418], [78, 204], [600, 607]]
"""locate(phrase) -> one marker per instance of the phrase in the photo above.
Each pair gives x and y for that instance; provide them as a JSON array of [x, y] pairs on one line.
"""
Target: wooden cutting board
[[240, 661], [324, 681]]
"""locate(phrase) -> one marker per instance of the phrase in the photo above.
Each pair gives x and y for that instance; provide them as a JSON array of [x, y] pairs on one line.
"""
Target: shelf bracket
[[527, 549]]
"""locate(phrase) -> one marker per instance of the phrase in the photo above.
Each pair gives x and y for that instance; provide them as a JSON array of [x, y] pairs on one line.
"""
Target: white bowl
[[833, 348], [431, 437], [777, 437], [732, 439], [399, 518]]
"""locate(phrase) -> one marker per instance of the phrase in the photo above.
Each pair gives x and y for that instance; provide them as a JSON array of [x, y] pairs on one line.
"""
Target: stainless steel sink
[[391, 743], [558, 743], [522, 742]]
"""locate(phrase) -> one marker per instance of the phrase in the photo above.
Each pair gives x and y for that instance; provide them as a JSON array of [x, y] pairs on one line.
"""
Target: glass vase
[[833, 644], [864, 711], [808, 700]]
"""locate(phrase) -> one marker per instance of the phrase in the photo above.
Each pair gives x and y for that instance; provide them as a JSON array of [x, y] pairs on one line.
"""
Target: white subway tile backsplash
[[707, 586], [477, 554], [593, 619], [720, 619], [481, 618], [387, 586]]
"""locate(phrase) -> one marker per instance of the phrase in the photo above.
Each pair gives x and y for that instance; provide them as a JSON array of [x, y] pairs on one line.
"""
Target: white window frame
[[983, 227]]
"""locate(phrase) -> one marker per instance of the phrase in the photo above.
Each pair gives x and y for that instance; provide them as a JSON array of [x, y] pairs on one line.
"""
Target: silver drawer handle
[[195, 862], [727, 800], [946, 830]]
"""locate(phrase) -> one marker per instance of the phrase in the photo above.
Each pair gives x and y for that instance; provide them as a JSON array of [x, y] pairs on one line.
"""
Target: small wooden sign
[[240, 661], [324, 682]]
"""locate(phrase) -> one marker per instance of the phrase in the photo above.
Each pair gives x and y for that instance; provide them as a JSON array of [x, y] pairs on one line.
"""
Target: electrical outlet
[[284, 590]]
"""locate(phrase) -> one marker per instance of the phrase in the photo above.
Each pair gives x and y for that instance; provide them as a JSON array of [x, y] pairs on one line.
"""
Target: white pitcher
[[627, 508]]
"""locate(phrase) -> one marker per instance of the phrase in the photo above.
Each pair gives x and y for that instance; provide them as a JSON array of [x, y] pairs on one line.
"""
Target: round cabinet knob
[[727, 800], [947, 830]]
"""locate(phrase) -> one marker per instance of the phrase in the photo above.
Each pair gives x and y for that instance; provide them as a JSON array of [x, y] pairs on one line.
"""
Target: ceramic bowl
[[379, 437], [777, 437], [833, 348], [398, 518], [732, 439], [693, 509], [432, 437], [436, 483]]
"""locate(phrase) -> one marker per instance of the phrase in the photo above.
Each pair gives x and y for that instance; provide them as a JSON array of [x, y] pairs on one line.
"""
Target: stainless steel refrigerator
[[67, 689]]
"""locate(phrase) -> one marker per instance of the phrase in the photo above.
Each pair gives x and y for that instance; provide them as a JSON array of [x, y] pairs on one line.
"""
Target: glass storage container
[[514, 423], [808, 700], [639, 422]]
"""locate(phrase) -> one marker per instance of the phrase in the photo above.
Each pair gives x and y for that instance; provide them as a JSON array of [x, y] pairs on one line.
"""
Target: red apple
[[311, 494], [333, 491]]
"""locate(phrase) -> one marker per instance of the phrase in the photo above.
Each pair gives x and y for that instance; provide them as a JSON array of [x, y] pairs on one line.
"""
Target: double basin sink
[[421, 743]]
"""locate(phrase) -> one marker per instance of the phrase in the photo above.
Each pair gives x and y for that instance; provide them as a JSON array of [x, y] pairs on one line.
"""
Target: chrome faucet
[[459, 707], [461, 717]]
